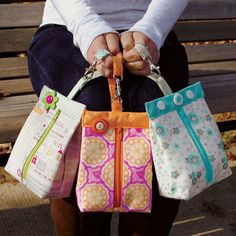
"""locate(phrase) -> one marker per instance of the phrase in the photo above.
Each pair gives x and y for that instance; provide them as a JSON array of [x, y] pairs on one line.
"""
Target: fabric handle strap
[[155, 74], [82, 82], [116, 103], [114, 83], [91, 74]]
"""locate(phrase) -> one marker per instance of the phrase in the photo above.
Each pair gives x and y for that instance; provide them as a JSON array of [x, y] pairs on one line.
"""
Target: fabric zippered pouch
[[45, 156], [188, 152], [115, 170]]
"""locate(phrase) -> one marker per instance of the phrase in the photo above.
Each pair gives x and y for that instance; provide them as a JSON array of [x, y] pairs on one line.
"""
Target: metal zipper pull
[[118, 87]]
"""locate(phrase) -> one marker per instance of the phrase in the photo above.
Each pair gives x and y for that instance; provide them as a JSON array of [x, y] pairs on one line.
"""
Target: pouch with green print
[[45, 156]]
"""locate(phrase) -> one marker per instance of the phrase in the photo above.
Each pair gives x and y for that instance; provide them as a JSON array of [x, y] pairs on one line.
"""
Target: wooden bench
[[207, 29]]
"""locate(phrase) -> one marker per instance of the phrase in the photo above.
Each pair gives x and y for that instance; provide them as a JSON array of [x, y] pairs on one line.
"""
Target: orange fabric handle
[[116, 103], [112, 87], [118, 65]]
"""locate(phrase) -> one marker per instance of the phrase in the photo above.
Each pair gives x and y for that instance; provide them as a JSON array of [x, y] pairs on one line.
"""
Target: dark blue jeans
[[54, 61]]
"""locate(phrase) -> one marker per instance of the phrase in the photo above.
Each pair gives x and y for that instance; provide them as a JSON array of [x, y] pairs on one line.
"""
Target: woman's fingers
[[138, 67], [109, 42], [152, 48], [98, 43], [112, 41], [105, 67], [127, 41], [133, 61], [131, 56]]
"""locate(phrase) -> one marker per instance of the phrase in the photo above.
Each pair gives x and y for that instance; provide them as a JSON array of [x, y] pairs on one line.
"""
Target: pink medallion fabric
[[96, 188]]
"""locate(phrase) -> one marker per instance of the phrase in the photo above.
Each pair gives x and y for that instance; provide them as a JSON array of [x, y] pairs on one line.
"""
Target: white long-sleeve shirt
[[87, 19]]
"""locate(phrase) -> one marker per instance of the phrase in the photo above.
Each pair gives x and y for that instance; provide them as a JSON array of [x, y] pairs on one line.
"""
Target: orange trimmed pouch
[[115, 171]]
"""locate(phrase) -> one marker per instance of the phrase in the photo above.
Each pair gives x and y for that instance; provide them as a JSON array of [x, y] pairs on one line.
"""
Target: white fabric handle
[[81, 83], [155, 74]]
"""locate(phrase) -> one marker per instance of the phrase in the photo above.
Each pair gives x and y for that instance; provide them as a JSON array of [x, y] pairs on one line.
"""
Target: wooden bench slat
[[19, 1], [216, 81], [17, 67], [16, 86], [18, 110], [208, 9], [205, 30], [219, 91], [211, 52], [10, 128], [13, 67], [13, 113], [21, 86], [221, 105], [17, 39], [24, 85], [212, 68], [15, 100], [31, 14], [25, 15]]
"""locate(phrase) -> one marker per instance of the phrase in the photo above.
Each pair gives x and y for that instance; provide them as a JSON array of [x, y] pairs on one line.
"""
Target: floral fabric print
[[96, 188], [187, 149]]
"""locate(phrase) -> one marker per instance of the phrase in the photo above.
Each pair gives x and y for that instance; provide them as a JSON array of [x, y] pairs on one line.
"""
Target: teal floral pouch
[[188, 152]]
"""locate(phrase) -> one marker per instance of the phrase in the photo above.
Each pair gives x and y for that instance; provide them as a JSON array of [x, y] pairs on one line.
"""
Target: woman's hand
[[133, 61], [110, 42]]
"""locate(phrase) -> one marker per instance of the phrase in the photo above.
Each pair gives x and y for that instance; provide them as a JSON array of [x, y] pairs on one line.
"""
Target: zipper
[[118, 167], [37, 146], [198, 144]]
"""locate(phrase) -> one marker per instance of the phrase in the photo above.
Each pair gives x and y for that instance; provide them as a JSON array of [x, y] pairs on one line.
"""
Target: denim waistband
[[43, 27]]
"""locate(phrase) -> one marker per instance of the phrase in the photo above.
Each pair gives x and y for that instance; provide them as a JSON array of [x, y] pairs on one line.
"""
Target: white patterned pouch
[[188, 152], [45, 156]]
